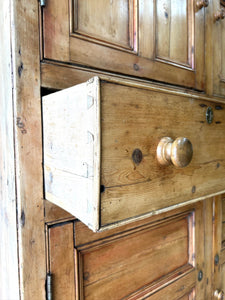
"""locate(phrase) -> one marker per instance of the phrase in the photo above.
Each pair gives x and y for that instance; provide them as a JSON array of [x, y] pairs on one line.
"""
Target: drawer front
[[134, 118], [101, 164]]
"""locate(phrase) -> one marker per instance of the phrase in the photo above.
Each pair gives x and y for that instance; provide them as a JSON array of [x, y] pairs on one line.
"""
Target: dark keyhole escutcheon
[[209, 115], [137, 156]]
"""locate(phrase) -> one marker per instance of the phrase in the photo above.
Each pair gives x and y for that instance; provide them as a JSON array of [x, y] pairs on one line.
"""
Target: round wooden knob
[[219, 15], [202, 3], [178, 152], [219, 295]]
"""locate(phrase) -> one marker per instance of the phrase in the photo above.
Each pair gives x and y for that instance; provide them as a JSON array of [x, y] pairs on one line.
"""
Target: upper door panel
[[161, 40], [219, 48]]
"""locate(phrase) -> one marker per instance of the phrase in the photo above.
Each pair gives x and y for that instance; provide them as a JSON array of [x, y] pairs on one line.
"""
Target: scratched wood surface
[[9, 276], [132, 40]]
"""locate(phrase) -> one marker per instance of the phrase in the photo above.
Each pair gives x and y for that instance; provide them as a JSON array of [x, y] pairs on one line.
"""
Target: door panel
[[162, 40], [113, 28], [157, 258], [223, 276], [148, 261], [219, 48], [172, 31], [223, 222], [219, 249], [111, 267]]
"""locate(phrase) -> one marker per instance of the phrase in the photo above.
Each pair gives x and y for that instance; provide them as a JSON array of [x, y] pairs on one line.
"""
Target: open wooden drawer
[[100, 150]]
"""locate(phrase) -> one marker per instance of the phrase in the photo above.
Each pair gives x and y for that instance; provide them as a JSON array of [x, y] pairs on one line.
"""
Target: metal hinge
[[49, 286], [42, 3]]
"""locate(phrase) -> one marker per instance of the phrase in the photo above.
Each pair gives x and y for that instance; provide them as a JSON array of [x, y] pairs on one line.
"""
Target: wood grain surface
[[28, 148], [71, 132], [136, 118], [62, 261], [110, 265], [218, 29]]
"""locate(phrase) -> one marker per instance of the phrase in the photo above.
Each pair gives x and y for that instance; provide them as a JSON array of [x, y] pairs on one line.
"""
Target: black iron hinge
[[42, 3], [49, 286]]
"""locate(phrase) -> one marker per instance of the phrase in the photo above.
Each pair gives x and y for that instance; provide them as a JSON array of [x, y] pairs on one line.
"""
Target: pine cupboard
[[160, 221]]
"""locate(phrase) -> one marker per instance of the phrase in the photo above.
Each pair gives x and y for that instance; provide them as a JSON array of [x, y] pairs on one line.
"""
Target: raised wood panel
[[84, 235], [160, 40], [141, 257], [218, 52], [152, 259], [223, 209], [223, 232], [61, 262], [114, 27], [223, 277], [146, 29], [223, 51], [218, 268], [208, 237], [223, 221], [174, 30], [56, 30], [183, 288]]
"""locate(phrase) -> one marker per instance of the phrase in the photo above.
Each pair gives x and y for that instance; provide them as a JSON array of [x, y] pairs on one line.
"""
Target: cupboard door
[[161, 40], [219, 48], [219, 248], [160, 260]]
